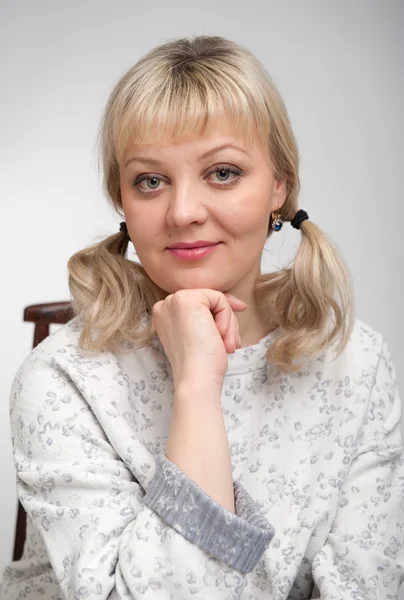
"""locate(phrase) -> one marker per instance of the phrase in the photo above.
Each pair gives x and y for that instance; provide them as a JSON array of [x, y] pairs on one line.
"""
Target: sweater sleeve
[[106, 536], [363, 557]]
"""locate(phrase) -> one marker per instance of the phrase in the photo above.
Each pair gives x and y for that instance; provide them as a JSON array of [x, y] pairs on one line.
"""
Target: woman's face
[[185, 199]]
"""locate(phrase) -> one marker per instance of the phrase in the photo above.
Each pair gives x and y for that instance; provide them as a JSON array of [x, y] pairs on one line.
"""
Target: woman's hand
[[197, 328]]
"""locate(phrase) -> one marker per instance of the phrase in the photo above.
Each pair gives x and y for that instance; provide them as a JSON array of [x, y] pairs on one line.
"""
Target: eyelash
[[233, 170]]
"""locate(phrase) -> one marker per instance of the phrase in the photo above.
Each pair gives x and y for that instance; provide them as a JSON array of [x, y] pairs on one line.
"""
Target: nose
[[186, 205]]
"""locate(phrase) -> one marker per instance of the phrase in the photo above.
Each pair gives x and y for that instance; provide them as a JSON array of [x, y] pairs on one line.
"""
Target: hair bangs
[[186, 108]]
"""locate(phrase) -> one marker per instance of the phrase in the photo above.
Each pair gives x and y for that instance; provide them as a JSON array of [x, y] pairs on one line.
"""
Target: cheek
[[144, 242], [142, 228], [247, 219]]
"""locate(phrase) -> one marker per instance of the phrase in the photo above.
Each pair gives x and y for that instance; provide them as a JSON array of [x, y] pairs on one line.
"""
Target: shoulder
[[58, 359], [63, 340], [365, 338], [59, 379], [364, 359], [364, 367], [364, 348], [60, 362], [372, 348], [376, 380]]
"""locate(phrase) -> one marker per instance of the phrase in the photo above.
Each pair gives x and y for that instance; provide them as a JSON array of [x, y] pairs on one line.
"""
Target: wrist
[[199, 446], [199, 385]]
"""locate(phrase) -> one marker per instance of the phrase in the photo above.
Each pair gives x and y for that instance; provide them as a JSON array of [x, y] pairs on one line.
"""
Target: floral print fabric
[[318, 475]]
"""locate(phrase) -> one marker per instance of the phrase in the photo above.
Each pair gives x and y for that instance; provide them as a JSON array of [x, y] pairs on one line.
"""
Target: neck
[[251, 327]]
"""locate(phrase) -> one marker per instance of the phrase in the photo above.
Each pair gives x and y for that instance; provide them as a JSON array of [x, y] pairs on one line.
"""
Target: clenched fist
[[197, 328]]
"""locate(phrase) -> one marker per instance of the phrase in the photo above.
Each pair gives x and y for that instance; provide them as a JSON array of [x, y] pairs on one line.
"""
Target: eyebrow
[[155, 162]]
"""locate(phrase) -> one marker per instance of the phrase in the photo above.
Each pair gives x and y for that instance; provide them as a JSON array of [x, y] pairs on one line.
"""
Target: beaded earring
[[276, 221]]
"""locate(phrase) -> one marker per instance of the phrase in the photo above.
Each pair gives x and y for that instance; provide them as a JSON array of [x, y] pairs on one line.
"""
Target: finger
[[230, 338], [235, 340], [216, 300], [233, 300], [156, 309], [233, 333], [236, 303], [221, 308], [221, 305]]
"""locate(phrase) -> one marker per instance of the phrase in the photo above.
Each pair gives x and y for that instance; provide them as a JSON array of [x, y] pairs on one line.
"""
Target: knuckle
[[181, 297], [157, 307], [225, 298]]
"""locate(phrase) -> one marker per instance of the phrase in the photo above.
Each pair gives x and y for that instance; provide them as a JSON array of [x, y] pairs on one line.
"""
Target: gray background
[[339, 67]]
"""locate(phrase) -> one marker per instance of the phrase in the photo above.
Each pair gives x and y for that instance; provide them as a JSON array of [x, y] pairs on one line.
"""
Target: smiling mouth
[[185, 246], [193, 253]]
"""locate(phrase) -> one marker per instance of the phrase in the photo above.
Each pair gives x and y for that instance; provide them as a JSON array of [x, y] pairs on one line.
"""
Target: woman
[[200, 429]]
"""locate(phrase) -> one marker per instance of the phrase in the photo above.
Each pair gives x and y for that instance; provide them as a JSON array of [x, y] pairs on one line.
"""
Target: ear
[[279, 193]]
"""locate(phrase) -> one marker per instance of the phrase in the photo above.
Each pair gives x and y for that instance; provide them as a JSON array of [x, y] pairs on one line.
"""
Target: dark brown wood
[[43, 315], [52, 313]]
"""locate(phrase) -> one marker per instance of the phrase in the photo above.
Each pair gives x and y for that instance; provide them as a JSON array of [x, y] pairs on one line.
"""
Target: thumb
[[237, 303], [221, 306]]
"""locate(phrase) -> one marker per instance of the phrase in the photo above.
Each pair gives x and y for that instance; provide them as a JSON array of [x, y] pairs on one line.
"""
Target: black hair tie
[[299, 217], [123, 227]]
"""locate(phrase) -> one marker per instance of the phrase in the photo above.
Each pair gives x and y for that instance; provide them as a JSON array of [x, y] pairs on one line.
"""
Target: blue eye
[[155, 180], [149, 178], [225, 169]]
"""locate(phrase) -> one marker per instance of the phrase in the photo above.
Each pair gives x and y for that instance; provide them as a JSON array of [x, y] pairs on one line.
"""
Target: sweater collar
[[251, 357], [243, 359]]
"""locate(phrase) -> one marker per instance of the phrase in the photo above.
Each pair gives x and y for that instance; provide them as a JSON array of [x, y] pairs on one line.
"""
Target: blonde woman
[[200, 429]]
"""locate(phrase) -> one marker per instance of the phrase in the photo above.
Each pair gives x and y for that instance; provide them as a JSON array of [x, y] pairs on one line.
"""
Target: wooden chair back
[[42, 315]]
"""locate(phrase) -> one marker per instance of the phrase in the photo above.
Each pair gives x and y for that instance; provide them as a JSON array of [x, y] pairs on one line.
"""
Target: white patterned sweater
[[317, 468]]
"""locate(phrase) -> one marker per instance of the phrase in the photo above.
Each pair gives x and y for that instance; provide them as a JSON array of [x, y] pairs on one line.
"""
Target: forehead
[[202, 147], [198, 138], [197, 147]]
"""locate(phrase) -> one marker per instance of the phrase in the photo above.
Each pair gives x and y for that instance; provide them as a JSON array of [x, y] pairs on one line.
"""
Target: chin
[[193, 284]]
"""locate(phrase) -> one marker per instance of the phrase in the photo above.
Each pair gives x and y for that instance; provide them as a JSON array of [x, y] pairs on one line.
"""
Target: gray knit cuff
[[237, 539]]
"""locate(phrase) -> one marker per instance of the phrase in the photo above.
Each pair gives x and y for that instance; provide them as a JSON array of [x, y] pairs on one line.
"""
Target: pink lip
[[192, 253], [196, 244]]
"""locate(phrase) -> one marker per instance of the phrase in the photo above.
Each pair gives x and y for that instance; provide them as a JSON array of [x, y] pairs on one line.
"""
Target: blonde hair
[[173, 93]]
